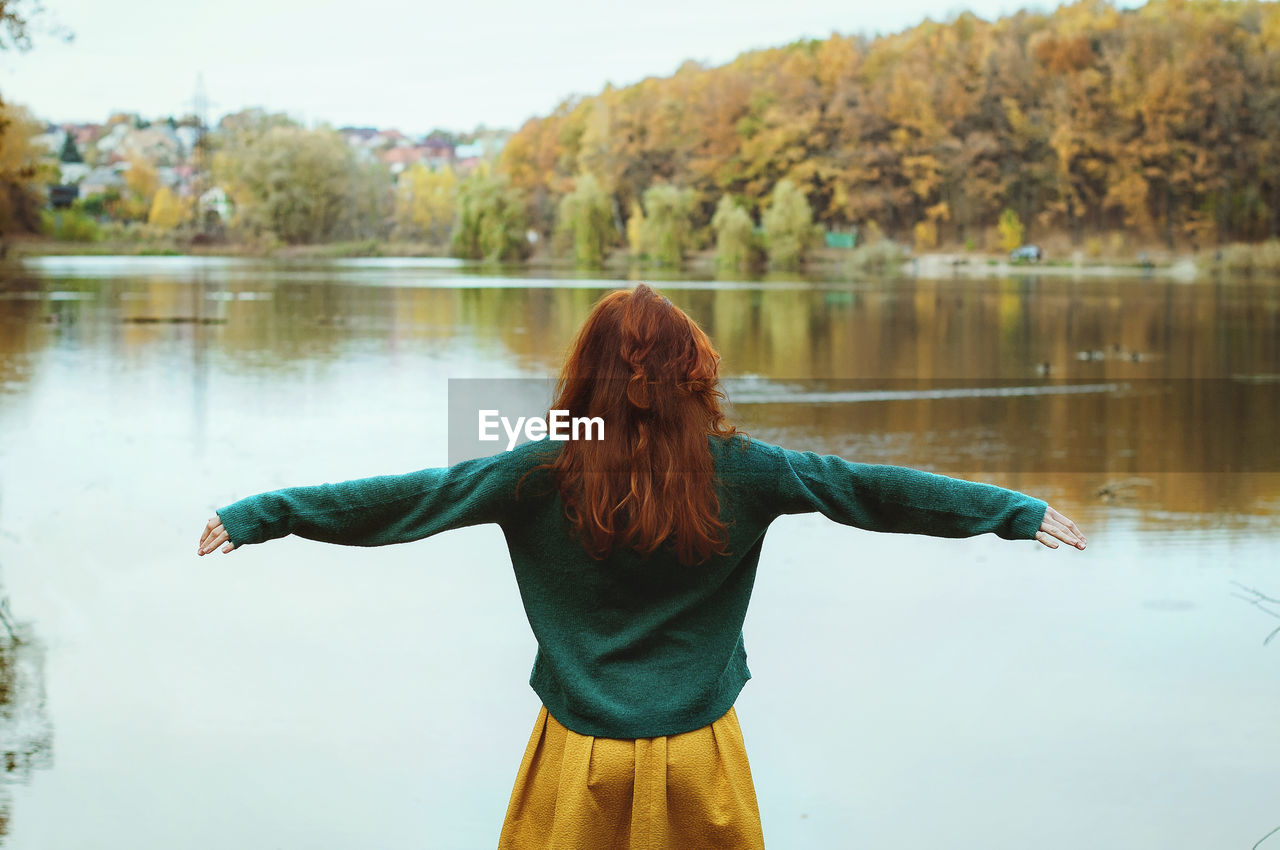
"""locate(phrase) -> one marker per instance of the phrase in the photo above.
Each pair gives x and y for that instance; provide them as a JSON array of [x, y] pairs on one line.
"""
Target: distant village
[[94, 159]]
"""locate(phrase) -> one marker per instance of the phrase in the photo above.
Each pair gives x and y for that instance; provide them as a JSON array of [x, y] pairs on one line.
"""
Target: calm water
[[909, 692]]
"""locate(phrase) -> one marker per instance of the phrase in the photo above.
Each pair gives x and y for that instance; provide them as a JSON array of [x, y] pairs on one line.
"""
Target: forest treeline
[[1110, 130], [1161, 123]]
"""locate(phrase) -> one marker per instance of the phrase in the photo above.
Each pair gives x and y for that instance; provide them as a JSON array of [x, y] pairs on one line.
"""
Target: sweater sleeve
[[380, 510], [879, 497]]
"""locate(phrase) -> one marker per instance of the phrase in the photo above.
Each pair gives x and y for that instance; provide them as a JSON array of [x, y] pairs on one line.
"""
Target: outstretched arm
[[372, 511], [899, 499]]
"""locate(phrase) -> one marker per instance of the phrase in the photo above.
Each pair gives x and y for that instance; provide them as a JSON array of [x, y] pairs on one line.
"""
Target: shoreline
[[938, 265], [823, 263]]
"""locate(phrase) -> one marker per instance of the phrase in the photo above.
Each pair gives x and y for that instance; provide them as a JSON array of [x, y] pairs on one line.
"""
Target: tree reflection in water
[[26, 735]]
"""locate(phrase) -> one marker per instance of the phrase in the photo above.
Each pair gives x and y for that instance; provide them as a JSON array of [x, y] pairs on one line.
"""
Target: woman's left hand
[[214, 536], [1055, 527]]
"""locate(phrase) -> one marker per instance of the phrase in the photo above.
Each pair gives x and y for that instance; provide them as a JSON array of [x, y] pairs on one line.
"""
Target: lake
[[908, 691]]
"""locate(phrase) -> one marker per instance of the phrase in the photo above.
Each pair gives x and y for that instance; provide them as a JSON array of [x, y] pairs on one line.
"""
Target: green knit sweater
[[629, 646]]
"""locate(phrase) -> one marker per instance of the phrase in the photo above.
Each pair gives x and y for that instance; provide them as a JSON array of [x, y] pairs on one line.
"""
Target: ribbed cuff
[[1029, 519], [239, 526]]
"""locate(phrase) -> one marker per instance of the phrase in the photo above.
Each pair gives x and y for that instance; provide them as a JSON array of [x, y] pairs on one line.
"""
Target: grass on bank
[[1243, 258]]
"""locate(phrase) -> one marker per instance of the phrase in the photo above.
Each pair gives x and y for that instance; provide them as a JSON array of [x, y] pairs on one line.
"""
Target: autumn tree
[[1011, 230], [635, 231], [21, 171], [426, 203], [167, 210], [1159, 120], [141, 184]]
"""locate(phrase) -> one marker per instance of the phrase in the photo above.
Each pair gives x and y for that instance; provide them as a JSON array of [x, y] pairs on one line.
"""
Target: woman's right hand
[[1055, 527], [214, 536]]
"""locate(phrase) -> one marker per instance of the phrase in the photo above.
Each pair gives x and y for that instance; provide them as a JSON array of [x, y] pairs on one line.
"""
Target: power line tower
[[200, 153]]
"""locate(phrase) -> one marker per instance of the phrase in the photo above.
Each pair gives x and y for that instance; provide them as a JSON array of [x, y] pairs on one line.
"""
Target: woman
[[635, 556]]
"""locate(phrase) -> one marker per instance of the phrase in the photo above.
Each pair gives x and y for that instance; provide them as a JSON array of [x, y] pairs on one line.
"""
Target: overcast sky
[[408, 65]]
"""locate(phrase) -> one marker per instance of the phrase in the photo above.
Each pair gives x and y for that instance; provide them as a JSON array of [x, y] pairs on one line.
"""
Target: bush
[[1243, 258], [70, 226], [877, 257]]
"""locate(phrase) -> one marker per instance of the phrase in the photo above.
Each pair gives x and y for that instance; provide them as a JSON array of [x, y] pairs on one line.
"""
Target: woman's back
[[636, 646]]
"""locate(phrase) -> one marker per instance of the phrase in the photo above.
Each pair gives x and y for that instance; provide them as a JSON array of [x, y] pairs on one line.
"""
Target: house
[[358, 137], [52, 139], [437, 153], [216, 201], [110, 145], [100, 180], [61, 197], [398, 159], [73, 172]]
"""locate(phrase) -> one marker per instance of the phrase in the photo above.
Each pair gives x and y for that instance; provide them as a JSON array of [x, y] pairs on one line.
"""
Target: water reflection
[[26, 735], [922, 373]]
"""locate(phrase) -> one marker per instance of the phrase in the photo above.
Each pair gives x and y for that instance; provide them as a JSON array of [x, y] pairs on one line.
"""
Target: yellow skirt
[[692, 790]]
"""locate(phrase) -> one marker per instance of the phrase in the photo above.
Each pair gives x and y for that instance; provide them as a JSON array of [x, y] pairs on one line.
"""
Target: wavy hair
[[650, 373]]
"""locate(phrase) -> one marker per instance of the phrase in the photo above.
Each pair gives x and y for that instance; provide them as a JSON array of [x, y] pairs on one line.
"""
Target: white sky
[[408, 65]]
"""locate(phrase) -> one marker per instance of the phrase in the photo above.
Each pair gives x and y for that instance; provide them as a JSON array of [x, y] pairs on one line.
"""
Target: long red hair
[[650, 373]]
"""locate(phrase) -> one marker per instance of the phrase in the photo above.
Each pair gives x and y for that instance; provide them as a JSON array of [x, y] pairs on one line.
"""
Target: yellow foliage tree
[[167, 210], [20, 170], [426, 203], [926, 235], [1010, 229], [635, 230], [141, 179]]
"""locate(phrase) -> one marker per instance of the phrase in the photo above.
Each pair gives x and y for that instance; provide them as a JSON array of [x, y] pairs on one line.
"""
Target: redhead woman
[[635, 557]]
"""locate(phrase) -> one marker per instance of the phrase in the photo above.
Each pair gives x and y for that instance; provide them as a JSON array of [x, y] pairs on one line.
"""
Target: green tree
[[70, 153], [294, 183], [668, 225], [789, 232], [1010, 229], [735, 235], [585, 222], [370, 209], [491, 219]]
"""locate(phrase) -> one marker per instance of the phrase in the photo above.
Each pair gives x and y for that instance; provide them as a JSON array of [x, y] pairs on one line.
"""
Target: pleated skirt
[[693, 790]]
